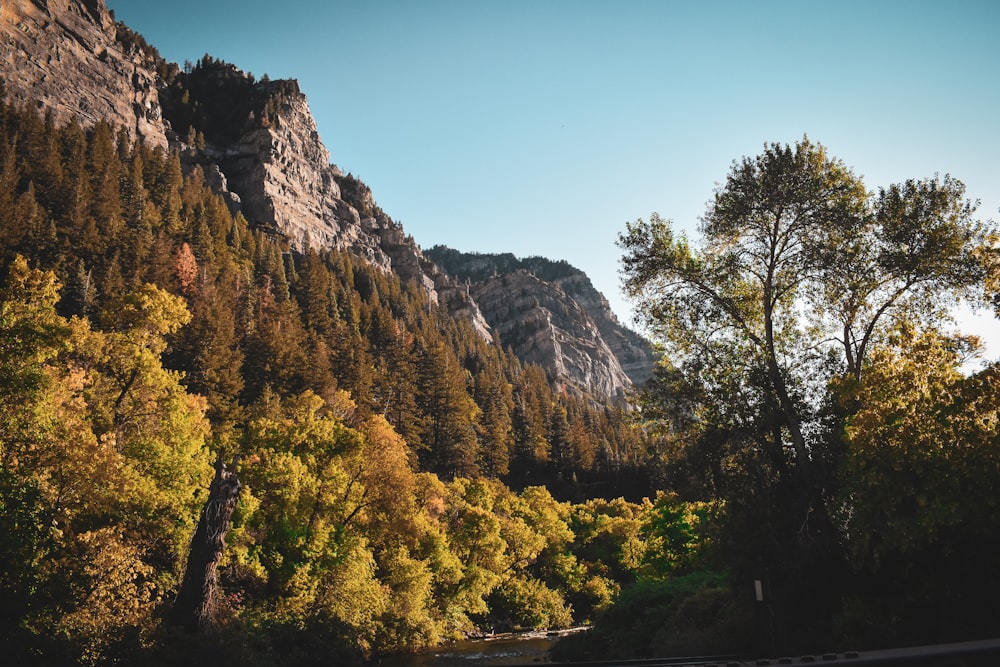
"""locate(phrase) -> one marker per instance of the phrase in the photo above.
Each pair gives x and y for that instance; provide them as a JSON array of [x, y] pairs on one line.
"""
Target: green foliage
[[336, 535], [143, 325], [695, 614], [918, 496], [104, 451], [529, 603], [804, 385], [674, 535], [793, 229]]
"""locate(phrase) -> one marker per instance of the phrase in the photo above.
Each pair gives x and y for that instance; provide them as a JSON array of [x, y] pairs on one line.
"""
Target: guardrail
[[965, 654]]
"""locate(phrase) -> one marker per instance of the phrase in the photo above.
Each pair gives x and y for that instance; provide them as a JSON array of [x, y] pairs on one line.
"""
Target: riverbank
[[494, 651]]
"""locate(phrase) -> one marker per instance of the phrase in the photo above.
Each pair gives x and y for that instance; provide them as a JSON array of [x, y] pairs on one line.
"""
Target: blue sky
[[540, 128]]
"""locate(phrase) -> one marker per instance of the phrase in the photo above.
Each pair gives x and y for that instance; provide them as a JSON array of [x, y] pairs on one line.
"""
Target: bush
[[694, 614], [522, 602]]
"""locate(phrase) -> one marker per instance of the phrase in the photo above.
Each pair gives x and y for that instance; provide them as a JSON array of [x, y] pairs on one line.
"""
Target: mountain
[[550, 313], [70, 58], [186, 277], [257, 144]]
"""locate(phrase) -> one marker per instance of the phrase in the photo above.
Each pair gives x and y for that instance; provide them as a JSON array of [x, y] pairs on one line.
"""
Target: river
[[507, 649]]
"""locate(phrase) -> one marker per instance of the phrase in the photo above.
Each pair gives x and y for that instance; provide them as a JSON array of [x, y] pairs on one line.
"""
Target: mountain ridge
[[257, 144], [560, 301]]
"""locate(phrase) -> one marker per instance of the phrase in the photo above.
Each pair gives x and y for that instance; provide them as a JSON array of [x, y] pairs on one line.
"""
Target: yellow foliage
[[352, 593], [924, 442], [114, 444], [113, 590]]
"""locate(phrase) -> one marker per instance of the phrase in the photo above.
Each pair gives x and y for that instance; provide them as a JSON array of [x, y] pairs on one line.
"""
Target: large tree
[[736, 302], [798, 260], [799, 273]]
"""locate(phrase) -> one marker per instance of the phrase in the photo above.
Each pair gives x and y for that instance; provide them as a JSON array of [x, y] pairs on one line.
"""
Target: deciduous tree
[[797, 259], [799, 272]]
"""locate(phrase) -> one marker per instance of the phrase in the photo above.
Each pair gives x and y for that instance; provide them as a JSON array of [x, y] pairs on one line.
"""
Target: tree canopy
[[393, 461], [797, 259], [780, 327]]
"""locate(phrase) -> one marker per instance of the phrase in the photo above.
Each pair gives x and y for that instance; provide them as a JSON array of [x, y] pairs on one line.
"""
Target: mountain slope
[[551, 314], [69, 57], [261, 137], [257, 144]]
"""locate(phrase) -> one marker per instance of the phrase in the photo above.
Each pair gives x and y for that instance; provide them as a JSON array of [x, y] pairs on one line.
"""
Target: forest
[[404, 480], [812, 426]]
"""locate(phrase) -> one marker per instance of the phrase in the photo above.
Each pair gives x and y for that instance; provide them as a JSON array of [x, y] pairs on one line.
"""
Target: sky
[[542, 127]]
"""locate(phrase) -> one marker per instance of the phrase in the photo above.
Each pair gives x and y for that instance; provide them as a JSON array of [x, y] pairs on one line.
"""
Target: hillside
[[186, 278], [405, 479], [257, 145]]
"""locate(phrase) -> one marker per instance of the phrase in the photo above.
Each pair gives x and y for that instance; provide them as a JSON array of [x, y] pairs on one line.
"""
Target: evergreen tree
[[104, 167], [313, 292], [78, 298], [492, 394], [449, 413], [530, 418], [209, 351]]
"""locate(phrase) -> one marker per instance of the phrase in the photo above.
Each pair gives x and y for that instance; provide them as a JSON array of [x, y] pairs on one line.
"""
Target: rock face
[[550, 313], [257, 145], [408, 261], [633, 352], [70, 57], [260, 136]]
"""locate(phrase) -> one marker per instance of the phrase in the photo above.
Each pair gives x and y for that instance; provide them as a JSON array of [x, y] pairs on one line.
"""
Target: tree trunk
[[196, 606]]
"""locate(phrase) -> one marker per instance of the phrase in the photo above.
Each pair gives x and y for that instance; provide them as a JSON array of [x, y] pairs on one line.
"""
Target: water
[[508, 649]]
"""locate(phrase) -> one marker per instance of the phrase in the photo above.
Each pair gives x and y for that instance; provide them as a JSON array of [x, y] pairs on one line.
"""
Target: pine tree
[[493, 396], [165, 191], [78, 298], [10, 176], [395, 386], [530, 418], [448, 414], [209, 351], [314, 294], [277, 351], [105, 183]]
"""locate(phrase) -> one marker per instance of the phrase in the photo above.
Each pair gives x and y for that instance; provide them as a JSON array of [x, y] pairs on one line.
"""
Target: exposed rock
[[284, 178], [65, 57], [409, 262], [539, 321], [633, 352], [276, 167], [551, 314], [218, 182]]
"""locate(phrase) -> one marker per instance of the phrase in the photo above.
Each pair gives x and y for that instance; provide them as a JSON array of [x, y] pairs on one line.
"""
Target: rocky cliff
[[260, 136], [255, 140], [551, 314], [257, 144], [70, 58]]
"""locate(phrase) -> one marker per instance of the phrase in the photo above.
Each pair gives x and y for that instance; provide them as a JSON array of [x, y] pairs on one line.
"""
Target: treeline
[[145, 327], [455, 263], [213, 101]]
